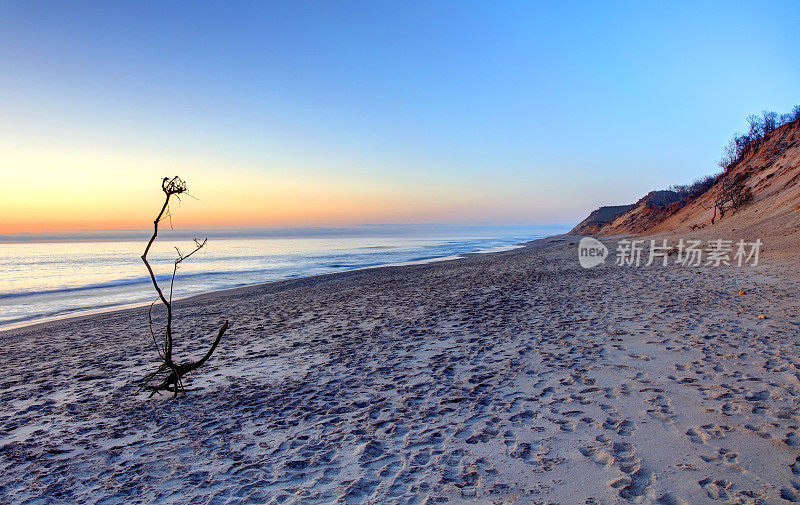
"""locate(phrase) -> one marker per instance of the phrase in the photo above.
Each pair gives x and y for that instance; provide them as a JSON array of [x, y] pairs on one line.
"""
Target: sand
[[514, 377]]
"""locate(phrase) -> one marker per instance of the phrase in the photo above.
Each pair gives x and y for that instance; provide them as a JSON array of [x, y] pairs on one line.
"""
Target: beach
[[510, 377]]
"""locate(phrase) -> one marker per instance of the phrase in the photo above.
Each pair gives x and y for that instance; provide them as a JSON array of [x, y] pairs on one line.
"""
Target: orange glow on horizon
[[53, 190]]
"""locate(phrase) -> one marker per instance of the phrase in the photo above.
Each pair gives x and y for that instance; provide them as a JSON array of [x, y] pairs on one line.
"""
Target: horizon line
[[356, 230]]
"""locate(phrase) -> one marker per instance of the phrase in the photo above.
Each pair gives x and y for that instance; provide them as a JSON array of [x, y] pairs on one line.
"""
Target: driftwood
[[169, 375]]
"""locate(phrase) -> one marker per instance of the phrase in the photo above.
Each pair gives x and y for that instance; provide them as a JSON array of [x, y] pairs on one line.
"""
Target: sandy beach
[[399, 253], [513, 377]]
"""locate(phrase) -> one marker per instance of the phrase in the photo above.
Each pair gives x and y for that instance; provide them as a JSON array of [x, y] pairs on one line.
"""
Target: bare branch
[[152, 333], [173, 372]]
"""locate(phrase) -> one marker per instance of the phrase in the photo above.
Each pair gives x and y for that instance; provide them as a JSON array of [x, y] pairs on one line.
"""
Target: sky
[[342, 113]]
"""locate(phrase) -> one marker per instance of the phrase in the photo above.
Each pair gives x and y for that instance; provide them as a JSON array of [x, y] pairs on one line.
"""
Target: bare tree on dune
[[169, 376], [758, 127], [733, 194]]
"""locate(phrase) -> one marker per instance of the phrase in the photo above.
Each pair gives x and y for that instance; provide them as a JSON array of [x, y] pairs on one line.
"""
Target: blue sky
[[445, 111]]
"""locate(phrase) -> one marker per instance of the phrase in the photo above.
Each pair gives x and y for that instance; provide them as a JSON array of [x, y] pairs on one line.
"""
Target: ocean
[[44, 280]]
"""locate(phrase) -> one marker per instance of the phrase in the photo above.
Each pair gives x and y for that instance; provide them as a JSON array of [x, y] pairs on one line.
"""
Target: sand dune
[[771, 172], [514, 377]]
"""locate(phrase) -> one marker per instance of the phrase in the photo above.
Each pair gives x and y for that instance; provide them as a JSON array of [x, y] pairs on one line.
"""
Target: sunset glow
[[299, 114]]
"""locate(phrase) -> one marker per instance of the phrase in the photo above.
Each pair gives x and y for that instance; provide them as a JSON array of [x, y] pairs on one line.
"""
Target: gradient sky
[[337, 113]]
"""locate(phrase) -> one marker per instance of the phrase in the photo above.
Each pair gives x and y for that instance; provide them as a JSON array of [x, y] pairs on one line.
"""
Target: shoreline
[[89, 313]]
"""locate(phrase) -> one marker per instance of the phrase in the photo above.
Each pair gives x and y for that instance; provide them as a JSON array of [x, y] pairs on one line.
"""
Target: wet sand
[[513, 377]]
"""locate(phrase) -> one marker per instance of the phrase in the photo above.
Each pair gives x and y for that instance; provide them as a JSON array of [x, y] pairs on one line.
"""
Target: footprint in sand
[[671, 499], [701, 434], [791, 494], [717, 489], [524, 452], [663, 408], [597, 455], [758, 430], [525, 417], [621, 426], [640, 484], [730, 409], [625, 456]]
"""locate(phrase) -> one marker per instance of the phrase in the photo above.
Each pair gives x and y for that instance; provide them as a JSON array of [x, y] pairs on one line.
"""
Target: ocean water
[[45, 280]]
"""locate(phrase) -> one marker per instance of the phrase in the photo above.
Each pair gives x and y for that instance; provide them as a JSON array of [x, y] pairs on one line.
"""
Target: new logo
[[591, 252]]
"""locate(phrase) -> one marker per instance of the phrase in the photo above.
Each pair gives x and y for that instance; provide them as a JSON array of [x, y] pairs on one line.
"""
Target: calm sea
[[43, 280]]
